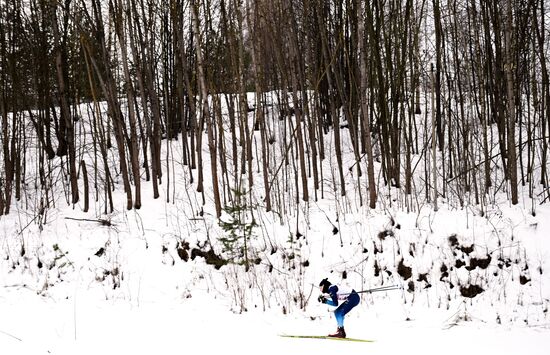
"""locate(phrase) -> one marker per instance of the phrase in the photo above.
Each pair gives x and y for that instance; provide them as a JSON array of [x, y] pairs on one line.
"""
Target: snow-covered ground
[[157, 303], [84, 325]]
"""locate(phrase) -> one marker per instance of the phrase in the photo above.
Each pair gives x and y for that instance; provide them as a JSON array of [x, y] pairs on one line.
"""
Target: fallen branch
[[103, 222], [8, 334]]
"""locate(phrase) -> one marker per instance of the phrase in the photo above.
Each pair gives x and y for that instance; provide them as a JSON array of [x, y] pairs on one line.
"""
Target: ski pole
[[381, 289], [378, 289]]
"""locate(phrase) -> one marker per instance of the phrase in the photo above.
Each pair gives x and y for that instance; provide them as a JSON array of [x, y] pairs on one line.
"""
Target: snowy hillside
[[162, 279]]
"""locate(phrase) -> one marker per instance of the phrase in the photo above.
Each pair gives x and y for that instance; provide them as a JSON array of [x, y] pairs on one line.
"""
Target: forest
[[94, 88], [182, 174]]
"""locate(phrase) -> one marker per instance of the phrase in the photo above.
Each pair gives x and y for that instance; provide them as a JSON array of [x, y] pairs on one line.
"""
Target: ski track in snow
[[87, 327]]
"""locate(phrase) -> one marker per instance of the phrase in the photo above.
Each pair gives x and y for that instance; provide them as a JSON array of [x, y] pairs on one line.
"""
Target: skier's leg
[[348, 305], [353, 300], [341, 312], [339, 315]]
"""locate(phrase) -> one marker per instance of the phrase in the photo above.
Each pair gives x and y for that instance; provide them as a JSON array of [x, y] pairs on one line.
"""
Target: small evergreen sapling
[[238, 225]]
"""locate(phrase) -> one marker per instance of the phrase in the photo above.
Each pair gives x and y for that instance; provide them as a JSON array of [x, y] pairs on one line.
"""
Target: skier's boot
[[340, 333]]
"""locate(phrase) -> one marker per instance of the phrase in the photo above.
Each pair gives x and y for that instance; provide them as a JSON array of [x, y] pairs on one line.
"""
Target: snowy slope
[[88, 283]]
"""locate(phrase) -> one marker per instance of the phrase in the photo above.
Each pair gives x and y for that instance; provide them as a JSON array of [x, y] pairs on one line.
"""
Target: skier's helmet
[[324, 284]]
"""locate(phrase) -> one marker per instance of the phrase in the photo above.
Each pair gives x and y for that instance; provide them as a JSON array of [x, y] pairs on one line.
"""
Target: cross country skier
[[332, 295]]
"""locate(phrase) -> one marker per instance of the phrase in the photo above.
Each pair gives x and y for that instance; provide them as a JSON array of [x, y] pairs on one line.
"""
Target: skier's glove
[[322, 299]]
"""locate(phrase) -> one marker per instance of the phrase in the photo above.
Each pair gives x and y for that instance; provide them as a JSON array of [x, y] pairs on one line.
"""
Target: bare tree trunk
[[67, 133], [364, 109], [434, 140], [184, 75], [545, 86], [148, 91], [512, 163], [298, 111], [86, 186], [256, 24], [99, 136], [133, 143], [206, 112], [109, 89], [438, 50], [334, 112]]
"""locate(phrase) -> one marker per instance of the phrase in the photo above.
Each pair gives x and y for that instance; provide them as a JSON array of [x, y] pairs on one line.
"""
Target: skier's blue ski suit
[[344, 307]]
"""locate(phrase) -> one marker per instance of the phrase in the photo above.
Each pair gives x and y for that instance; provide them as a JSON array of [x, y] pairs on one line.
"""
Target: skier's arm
[[333, 292]]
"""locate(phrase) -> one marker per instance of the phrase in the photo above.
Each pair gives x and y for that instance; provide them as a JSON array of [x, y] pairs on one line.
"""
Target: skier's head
[[324, 285]]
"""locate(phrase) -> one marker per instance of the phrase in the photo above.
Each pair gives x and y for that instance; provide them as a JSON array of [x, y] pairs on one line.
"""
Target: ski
[[325, 337]]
